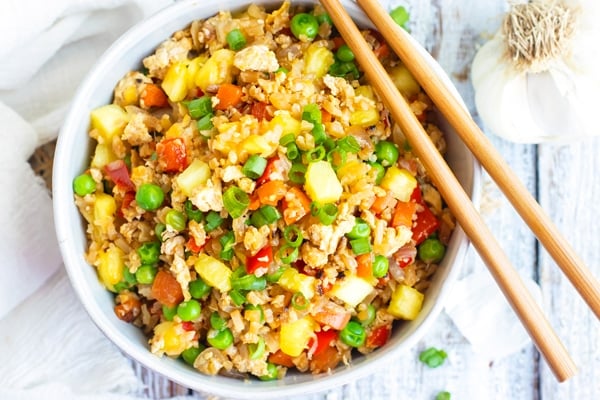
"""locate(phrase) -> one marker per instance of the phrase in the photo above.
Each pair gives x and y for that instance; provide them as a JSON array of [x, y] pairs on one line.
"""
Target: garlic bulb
[[537, 79]]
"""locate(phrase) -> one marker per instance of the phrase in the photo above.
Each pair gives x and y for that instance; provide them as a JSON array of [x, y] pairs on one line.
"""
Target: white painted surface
[[567, 184]]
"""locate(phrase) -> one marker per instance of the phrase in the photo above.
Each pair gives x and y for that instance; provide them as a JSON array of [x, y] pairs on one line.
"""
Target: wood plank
[[569, 191]]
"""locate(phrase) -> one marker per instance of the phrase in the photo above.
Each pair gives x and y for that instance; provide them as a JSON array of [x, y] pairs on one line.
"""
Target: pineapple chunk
[[109, 120], [288, 123], [213, 272], [192, 69], [406, 302], [170, 338], [105, 207], [256, 144], [218, 69], [364, 118], [406, 84], [322, 184], [294, 336], [317, 60], [366, 91], [400, 182], [175, 83], [110, 269], [294, 281], [196, 174], [351, 290], [103, 155]]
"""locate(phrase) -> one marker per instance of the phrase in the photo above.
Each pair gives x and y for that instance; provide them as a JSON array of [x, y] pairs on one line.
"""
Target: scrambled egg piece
[[256, 58]]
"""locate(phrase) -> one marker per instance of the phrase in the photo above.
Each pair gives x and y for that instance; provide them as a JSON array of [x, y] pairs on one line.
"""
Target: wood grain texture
[[564, 179]]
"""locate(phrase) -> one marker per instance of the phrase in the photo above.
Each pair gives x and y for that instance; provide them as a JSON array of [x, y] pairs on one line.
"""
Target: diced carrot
[[254, 202], [403, 214], [166, 289], [153, 96], [326, 116], [280, 358], [382, 51], [229, 95], [379, 204], [172, 155], [296, 205], [260, 111], [271, 192], [193, 246], [365, 266], [325, 361]]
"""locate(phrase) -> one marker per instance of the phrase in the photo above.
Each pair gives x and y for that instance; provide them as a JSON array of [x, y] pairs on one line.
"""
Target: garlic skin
[[550, 96]]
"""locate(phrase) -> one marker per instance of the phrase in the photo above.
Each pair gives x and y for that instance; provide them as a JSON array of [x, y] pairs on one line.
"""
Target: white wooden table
[[566, 181]]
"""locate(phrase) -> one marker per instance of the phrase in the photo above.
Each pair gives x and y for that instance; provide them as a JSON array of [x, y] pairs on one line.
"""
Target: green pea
[[189, 310], [272, 373], [216, 321], [380, 266], [386, 152], [84, 184], [149, 196], [344, 53], [176, 220], [380, 171], [353, 334], [445, 395], [360, 230], [190, 354], [199, 288], [324, 19], [304, 25], [169, 312], [220, 339], [431, 250], [145, 274], [149, 252]]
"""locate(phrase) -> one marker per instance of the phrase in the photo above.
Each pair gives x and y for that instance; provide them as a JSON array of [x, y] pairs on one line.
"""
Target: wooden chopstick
[[531, 212], [458, 201]]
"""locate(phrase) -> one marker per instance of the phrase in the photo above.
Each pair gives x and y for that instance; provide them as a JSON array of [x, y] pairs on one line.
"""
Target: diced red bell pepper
[[117, 171], [378, 336], [260, 111], [262, 259], [321, 341], [172, 155], [426, 222], [187, 326], [193, 246], [266, 175]]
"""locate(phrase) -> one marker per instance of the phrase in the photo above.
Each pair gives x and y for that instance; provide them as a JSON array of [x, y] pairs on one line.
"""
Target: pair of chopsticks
[[458, 201]]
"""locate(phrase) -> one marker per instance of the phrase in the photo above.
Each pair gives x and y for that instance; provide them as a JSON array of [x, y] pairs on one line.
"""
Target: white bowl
[[72, 156]]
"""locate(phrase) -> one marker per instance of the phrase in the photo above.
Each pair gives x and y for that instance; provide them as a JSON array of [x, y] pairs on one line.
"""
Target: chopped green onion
[[249, 282], [327, 213], [316, 154], [287, 139], [360, 229], [213, 221], [254, 167], [288, 254], [274, 277], [292, 151], [256, 350], [238, 273], [445, 395], [192, 211], [433, 357], [200, 107], [367, 316], [176, 220], [227, 242], [380, 171], [349, 144], [336, 157], [400, 16], [235, 201], [159, 228], [329, 144], [297, 172], [257, 308], [319, 134], [205, 123], [282, 69], [299, 302], [360, 246], [216, 321], [264, 216], [235, 39], [272, 373], [293, 236], [237, 297], [312, 113]]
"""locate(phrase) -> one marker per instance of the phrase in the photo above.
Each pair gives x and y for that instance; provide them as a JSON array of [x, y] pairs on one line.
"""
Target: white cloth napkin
[[48, 345]]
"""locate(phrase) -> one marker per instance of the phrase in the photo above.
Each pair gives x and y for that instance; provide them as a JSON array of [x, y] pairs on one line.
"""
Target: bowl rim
[[62, 196]]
